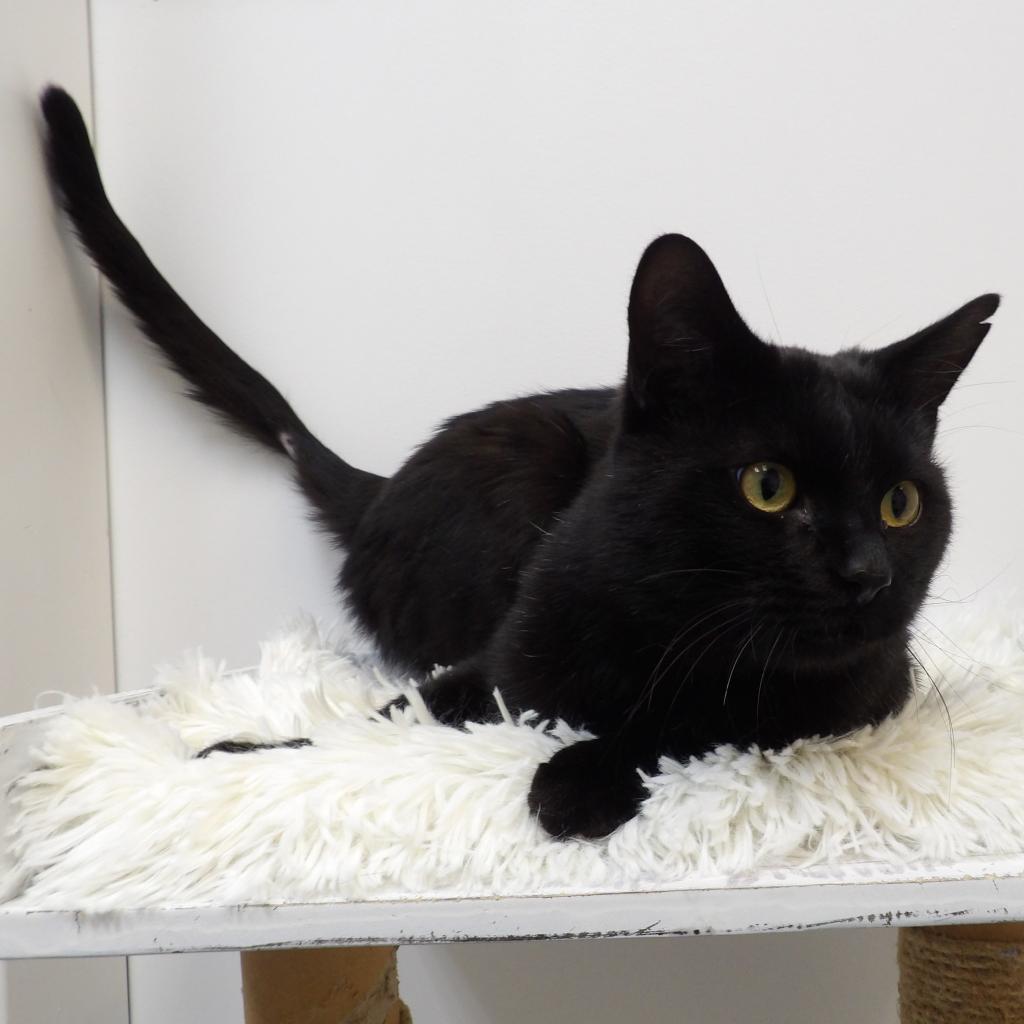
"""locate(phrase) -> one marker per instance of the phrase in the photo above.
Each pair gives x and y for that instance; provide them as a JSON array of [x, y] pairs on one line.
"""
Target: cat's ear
[[684, 332], [922, 369]]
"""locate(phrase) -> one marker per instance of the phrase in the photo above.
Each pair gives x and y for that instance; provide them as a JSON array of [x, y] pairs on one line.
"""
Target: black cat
[[728, 548]]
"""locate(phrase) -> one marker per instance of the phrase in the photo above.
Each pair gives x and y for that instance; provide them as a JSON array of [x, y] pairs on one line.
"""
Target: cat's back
[[562, 424], [436, 561]]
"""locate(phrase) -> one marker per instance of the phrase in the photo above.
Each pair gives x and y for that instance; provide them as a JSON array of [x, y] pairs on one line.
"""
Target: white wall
[[54, 551], [55, 595], [399, 211]]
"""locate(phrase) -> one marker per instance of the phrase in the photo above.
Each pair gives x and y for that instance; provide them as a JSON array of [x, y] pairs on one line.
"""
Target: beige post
[[347, 985], [967, 974]]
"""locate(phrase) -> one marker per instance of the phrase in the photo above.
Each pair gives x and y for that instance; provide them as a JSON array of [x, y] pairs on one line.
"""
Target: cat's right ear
[[686, 339]]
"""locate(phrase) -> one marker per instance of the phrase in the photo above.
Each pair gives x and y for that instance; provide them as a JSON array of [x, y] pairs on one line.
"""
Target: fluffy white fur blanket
[[117, 813]]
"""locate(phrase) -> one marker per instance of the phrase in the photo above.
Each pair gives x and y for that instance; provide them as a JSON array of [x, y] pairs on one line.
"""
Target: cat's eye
[[768, 486], [901, 505]]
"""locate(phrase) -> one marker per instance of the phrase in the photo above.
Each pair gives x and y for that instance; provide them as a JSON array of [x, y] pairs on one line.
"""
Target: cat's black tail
[[217, 377]]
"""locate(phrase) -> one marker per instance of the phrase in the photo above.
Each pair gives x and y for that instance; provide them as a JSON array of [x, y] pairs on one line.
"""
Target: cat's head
[[800, 487]]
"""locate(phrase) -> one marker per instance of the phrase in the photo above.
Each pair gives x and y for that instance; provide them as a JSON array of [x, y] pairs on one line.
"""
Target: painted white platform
[[782, 908], [771, 901]]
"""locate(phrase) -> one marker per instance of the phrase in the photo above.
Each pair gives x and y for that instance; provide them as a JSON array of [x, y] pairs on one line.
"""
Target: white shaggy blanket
[[117, 813]]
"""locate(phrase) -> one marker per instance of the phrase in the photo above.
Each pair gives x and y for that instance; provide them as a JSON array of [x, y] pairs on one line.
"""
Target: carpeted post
[[964, 974], [346, 985]]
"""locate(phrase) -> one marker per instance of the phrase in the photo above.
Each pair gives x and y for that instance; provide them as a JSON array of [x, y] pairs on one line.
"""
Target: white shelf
[[784, 908], [974, 891]]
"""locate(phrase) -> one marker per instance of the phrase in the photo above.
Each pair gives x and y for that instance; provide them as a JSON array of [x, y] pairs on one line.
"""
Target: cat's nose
[[867, 570], [869, 585]]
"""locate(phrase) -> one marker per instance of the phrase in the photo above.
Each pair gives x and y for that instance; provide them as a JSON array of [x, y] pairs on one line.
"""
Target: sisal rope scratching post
[[348, 985], [965, 974]]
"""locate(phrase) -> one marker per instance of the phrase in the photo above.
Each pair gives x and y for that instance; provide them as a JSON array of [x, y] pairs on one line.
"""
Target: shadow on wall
[[775, 979]]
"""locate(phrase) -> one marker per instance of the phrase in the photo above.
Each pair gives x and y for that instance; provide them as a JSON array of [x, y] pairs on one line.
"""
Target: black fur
[[241, 747], [590, 552]]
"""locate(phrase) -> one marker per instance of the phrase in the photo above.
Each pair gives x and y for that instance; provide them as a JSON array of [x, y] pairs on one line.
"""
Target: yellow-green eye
[[901, 506], [768, 486]]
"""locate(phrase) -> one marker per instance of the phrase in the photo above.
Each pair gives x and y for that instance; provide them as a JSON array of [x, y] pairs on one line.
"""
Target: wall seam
[[101, 320], [101, 323]]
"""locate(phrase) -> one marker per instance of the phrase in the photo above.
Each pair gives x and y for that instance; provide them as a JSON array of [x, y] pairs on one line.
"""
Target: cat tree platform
[[967, 894], [342, 952], [970, 891]]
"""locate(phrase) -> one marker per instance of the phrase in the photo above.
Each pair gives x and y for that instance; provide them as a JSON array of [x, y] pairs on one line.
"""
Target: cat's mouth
[[843, 639], [837, 635]]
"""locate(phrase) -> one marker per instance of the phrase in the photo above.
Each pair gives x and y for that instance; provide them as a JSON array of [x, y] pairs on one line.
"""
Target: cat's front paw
[[586, 791], [454, 697], [458, 696]]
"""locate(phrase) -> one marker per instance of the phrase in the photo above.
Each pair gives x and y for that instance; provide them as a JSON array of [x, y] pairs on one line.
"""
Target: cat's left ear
[[922, 369]]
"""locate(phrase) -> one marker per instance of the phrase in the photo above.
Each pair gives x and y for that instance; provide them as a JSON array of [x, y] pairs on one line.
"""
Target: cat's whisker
[[980, 426], [747, 643], [688, 572], [760, 685], [658, 674], [878, 330], [939, 600], [688, 628], [948, 414], [924, 643], [966, 663], [696, 661], [716, 630], [949, 717], [768, 303], [985, 384]]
